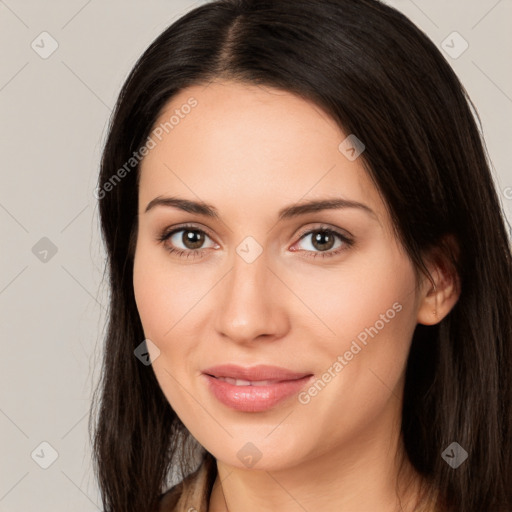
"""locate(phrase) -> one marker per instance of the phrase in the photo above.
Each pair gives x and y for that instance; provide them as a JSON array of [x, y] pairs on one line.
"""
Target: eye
[[322, 240], [191, 239]]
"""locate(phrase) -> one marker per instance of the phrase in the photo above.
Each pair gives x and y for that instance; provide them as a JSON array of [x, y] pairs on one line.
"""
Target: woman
[[309, 269]]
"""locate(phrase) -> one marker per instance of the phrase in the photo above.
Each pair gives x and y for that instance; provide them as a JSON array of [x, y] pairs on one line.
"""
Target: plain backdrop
[[54, 110]]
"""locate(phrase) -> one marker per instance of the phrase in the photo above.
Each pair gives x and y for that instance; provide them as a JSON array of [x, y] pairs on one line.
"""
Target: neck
[[362, 475]]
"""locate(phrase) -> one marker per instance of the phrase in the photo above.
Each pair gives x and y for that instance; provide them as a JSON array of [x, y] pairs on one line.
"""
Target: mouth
[[241, 382], [258, 373], [254, 389]]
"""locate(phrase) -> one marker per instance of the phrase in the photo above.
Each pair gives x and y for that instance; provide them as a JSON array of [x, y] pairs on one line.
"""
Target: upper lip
[[254, 373]]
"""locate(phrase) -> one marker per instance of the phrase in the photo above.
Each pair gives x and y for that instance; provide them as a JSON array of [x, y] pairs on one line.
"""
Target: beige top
[[193, 493]]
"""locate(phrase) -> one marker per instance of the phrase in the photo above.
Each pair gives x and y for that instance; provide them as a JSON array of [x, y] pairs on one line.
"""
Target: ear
[[441, 292]]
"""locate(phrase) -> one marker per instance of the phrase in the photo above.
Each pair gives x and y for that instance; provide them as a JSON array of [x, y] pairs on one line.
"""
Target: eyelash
[[348, 242]]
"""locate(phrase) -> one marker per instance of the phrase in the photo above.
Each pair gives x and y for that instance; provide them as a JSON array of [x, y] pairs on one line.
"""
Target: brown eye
[[192, 239], [323, 240], [185, 241]]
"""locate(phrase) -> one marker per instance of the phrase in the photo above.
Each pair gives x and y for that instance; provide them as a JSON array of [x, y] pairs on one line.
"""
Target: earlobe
[[441, 291]]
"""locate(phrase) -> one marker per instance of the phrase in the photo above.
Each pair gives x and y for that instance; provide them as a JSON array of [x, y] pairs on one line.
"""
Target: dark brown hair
[[382, 79]]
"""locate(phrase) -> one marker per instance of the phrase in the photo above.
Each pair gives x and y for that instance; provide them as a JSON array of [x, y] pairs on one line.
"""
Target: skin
[[250, 151]]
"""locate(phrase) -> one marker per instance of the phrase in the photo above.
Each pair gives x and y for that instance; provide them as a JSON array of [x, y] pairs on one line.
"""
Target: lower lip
[[254, 398]]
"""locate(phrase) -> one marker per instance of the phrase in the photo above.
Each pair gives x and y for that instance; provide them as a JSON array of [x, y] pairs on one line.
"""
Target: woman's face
[[250, 285]]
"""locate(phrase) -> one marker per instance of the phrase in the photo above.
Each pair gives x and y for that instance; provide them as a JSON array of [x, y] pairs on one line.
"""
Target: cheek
[[161, 303], [148, 296], [165, 293], [381, 308], [372, 311], [371, 291]]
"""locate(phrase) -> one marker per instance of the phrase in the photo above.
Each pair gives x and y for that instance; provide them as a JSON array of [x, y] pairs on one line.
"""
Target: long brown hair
[[381, 78]]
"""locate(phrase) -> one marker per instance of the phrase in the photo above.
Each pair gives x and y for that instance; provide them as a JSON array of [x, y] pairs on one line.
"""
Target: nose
[[251, 302]]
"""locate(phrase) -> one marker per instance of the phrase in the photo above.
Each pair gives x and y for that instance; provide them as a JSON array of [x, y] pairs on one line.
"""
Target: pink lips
[[253, 389]]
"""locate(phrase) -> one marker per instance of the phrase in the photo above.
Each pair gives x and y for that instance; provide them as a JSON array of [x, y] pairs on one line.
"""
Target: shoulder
[[192, 493]]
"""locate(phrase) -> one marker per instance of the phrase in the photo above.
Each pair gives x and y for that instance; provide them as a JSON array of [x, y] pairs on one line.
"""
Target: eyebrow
[[207, 210]]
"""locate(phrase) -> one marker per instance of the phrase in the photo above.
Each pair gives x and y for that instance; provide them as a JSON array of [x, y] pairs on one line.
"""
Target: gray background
[[54, 113]]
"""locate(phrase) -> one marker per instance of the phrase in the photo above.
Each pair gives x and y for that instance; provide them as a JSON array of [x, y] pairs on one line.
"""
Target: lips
[[254, 389], [255, 373], [242, 382]]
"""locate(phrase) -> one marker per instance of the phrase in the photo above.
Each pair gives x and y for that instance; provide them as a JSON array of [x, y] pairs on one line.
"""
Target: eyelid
[[324, 227], [166, 233]]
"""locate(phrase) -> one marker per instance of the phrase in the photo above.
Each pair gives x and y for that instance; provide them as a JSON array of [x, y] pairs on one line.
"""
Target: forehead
[[259, 145]]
